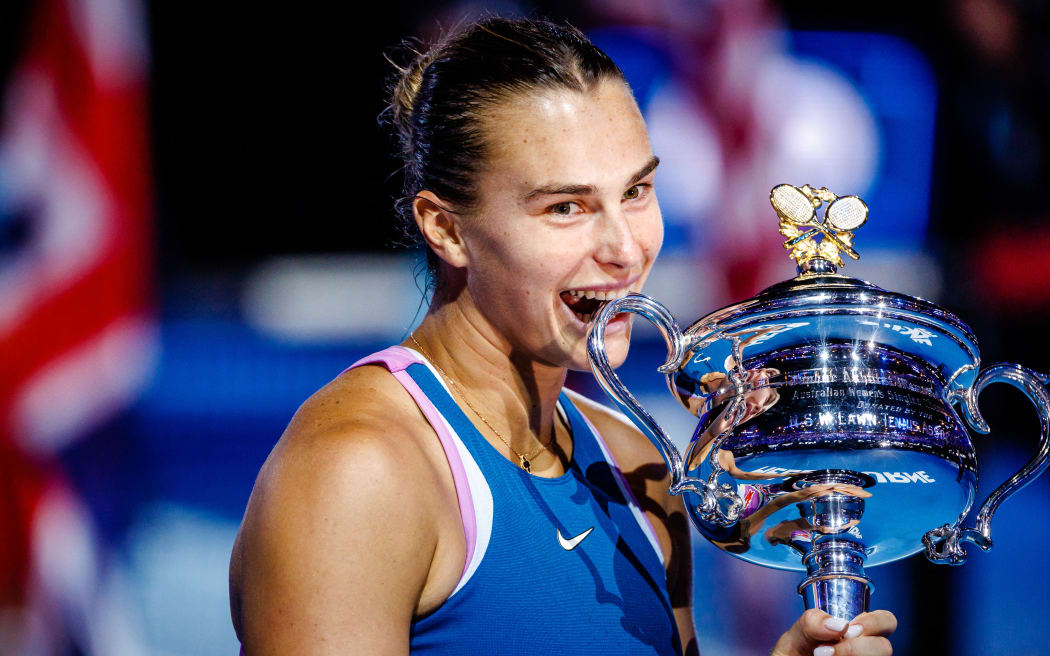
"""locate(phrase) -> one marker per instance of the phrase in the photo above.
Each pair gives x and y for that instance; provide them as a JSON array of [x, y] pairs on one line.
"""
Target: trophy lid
[[823, 308]]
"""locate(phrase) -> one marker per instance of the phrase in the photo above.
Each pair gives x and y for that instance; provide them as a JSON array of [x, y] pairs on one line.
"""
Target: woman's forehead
[[595, 137]]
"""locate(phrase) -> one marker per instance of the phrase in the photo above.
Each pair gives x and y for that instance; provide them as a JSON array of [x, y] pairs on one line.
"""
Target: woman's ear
[[440, 228]]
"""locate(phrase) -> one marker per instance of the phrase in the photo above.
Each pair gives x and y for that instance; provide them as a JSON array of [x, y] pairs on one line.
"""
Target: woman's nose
[[619, 245]]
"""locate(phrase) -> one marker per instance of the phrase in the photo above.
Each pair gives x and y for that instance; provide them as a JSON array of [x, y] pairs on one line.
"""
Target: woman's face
[[566, 211]]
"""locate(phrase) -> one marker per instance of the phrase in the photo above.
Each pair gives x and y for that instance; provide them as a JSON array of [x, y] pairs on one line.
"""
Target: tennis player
[[447, 495]]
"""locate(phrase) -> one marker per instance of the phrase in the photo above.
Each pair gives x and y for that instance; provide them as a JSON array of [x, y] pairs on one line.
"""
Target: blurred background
[[196, 233]]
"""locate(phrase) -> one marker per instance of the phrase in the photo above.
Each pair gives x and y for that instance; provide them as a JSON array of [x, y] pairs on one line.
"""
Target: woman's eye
[[567, 208], [636, 192]]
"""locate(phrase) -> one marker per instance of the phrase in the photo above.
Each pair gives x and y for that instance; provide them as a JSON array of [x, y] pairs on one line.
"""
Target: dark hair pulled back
[[439, 99]]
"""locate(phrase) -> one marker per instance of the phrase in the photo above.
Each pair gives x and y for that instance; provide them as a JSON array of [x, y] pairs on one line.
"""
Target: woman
[[447, 495]]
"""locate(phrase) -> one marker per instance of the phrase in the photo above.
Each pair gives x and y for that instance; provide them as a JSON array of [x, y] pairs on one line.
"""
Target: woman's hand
[[818, 634]]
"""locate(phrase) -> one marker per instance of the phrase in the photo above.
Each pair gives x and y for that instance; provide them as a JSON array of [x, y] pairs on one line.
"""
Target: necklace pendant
[[525, 464]]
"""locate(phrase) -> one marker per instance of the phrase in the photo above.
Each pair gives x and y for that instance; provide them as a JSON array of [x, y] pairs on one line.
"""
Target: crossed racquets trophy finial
[[797, 209]]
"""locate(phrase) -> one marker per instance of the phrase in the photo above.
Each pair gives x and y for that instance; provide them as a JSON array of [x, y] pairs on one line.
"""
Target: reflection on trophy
[[830, 437]]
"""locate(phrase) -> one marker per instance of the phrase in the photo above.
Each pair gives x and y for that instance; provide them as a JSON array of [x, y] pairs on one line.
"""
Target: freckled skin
[[521, 258]]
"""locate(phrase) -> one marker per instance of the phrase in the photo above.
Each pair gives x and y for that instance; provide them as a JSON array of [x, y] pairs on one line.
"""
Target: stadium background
[[257, 258]]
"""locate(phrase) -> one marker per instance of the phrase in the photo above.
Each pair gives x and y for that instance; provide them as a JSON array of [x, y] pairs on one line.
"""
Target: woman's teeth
[[601, 296], [585, 303]]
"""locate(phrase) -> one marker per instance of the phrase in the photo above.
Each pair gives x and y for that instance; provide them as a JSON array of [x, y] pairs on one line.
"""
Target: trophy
[[832, 416]]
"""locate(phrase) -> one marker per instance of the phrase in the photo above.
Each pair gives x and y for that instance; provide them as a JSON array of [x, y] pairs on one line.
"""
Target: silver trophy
[[832, 416]]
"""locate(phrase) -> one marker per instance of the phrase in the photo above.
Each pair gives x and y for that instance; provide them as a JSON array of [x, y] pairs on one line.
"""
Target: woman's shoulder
[[328, 510], [633, 451], [362, 422], [363, 411], [329, 506], [359, 434], [366, 397]]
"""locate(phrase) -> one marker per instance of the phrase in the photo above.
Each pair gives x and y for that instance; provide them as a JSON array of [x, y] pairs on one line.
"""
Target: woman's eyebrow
[[584, 189], [645, 170], [553, 189]]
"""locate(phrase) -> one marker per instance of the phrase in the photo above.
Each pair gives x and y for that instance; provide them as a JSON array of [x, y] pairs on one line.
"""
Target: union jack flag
[[76, 331]]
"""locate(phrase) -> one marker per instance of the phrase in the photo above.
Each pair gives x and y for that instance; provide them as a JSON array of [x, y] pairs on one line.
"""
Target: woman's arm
[[680, 572], [335, 550]]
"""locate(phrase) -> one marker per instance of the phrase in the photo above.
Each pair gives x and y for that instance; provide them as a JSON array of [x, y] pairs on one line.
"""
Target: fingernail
[[854, 630], [824, 651], [834, 624]]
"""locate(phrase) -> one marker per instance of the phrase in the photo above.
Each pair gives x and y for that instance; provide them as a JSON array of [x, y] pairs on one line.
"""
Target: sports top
[[564, 566], [567, 565]]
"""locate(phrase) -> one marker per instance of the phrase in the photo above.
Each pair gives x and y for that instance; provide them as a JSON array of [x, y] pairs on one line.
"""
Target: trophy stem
[[836, 583], [833, 549]]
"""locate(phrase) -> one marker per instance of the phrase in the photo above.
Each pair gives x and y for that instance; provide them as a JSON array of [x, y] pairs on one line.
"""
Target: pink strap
[[397, 359], [394, 358]]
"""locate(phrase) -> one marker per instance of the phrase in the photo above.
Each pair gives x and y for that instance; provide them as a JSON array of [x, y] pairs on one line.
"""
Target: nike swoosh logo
[[572, 543]]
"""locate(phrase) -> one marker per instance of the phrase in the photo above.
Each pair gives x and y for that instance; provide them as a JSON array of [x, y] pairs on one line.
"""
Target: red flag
[[76, 336]]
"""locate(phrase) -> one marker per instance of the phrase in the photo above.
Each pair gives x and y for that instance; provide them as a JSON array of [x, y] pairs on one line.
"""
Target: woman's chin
[[616, 347]]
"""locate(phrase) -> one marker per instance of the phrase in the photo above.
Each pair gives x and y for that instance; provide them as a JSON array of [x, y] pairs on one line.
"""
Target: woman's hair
[[439, 100]]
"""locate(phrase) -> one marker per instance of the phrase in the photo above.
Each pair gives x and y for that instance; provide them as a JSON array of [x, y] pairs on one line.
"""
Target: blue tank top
[[567, 567]]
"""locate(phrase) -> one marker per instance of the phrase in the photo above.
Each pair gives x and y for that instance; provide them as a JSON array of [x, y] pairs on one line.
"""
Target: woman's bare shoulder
[[361, 424], [328, 509], [363, 419], [362, 396]]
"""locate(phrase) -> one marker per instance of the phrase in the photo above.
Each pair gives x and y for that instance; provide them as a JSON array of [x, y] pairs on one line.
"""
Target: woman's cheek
[[657, 231]]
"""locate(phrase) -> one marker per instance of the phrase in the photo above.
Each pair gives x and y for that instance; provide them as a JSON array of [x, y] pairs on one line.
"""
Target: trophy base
[[832, 550]]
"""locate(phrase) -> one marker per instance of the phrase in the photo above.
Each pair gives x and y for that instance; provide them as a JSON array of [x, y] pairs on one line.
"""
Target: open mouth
[[586, 303]]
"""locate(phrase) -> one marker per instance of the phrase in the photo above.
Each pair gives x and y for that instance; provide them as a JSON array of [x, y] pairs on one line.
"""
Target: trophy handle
[[660, 317], [944, 544]]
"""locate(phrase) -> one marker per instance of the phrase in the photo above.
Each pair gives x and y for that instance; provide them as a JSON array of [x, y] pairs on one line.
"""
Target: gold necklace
[[523, 460]]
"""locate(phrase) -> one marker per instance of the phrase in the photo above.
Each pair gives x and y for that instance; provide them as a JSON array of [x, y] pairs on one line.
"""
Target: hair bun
[[439, 99], [404, 91]]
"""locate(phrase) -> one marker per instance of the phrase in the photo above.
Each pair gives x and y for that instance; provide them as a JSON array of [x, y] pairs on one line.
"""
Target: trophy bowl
[[832, 416]]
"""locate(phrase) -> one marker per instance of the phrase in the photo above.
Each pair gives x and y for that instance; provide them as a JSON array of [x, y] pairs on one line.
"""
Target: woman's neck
[[515, 394]]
